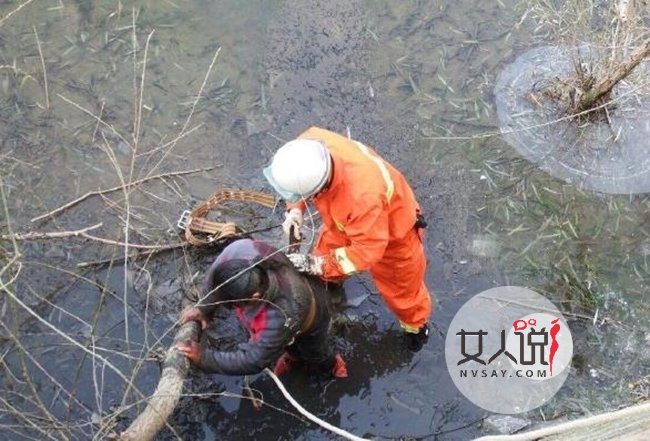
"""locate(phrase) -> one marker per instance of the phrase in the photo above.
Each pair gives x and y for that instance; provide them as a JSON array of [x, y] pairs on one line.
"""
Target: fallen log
[[163, 401]]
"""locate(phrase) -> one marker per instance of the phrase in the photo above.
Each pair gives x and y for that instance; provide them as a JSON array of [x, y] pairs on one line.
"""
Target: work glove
[[414, 342], [293, 218], [308, 263]]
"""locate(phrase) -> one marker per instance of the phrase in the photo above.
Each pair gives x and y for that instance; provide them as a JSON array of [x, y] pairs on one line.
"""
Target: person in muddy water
[[285, 312], [371, 221]]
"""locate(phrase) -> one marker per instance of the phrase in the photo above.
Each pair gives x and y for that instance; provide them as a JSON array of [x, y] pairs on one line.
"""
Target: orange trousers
[[399, 276]]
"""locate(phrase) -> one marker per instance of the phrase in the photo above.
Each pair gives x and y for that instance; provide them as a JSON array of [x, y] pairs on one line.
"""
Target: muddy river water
[[95, 94]]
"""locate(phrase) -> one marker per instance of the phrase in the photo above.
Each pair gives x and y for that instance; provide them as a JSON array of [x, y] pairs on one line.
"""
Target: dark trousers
[[313, 348]]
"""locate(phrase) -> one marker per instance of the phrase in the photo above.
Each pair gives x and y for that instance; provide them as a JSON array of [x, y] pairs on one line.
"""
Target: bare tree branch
[[116, 188]]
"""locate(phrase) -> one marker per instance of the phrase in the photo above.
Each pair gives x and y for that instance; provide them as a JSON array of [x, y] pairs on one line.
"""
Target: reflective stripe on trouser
[[399, 277]]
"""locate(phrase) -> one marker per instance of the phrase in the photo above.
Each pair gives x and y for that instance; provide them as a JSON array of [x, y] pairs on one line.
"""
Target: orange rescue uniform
[[369, 213]]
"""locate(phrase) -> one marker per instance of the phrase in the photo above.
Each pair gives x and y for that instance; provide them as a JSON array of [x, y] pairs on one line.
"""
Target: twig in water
[[97, 118], [26, 372], [40, 54], [130, 245], [256, 402], [134, 39], [101, 111], [119, 187], [21, 416], [138, 115], [189, 117], [51, 235], [149, 253], [604, 87], [126, 188], [538, 126], [84, 233], [36, 363], [6, 17], [5, 287]]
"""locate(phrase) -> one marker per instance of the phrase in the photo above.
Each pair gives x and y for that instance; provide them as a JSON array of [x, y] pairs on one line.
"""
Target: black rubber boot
[[415, 342]]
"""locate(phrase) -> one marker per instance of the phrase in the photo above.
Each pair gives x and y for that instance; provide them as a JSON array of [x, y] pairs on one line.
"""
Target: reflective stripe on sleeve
[[390, 186], [344, 262]]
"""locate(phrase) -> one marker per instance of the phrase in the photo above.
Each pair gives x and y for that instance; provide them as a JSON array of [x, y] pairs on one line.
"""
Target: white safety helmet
[[300, 169]]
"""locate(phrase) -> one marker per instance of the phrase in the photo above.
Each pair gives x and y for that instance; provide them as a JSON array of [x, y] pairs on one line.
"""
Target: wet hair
[[242, 286]]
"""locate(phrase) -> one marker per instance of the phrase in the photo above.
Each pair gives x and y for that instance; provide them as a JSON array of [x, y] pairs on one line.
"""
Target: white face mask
[[284, 194], [291, 197]]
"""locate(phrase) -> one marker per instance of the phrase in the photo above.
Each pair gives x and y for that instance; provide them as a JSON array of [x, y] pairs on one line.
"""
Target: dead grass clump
[[621, 32]]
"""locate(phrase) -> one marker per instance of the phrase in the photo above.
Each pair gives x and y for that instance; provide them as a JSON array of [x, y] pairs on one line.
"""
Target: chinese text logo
[[508, 349]]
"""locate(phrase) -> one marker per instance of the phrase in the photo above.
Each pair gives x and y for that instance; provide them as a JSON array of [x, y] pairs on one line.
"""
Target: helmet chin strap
[[330, 177], [327, 183]]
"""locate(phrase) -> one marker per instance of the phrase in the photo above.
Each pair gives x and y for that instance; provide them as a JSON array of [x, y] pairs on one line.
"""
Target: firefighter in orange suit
[[371, 221]]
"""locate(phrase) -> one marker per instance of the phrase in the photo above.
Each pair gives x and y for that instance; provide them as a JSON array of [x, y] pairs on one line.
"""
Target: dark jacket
[[275, 321]]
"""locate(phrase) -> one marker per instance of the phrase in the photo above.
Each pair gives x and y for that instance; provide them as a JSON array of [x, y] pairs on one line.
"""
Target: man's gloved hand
[[293, 218], [194, 314], [414, 342], [308, 263], [190, 349]]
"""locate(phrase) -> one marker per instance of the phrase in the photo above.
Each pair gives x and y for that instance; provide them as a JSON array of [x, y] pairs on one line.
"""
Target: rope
[[195, 221], [311, 416]]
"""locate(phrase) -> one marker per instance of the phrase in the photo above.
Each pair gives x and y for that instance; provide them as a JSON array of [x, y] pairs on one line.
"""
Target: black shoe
[[414, 342]]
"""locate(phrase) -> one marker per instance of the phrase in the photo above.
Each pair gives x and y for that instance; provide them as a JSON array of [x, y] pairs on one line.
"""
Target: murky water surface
[[412, 78]]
